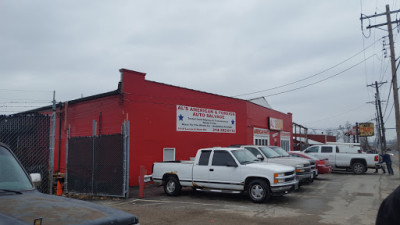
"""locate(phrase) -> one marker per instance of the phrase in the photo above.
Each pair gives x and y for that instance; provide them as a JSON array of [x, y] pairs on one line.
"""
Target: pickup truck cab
[[356, 162], [268, 155], [22, 204], [229, 169]]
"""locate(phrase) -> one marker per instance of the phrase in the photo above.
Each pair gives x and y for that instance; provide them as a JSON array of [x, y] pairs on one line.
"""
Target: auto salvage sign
[[194, 119], [366, 129]]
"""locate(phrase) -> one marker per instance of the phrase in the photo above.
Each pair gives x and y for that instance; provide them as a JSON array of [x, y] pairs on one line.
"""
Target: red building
[[168, 122]]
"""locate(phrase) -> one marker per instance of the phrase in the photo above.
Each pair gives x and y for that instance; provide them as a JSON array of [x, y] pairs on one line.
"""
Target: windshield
[[12, 176], [279, 150], [244, 156], [269, 153]]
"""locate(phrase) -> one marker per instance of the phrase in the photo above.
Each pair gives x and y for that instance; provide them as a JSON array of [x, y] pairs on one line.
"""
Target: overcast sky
[[310, 58]]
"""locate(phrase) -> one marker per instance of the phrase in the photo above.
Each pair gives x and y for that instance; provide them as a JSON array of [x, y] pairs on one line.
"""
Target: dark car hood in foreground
[[24, 208]]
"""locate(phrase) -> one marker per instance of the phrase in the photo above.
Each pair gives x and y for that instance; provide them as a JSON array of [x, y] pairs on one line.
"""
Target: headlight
[[300, 168], [279, 174], [278, 178]]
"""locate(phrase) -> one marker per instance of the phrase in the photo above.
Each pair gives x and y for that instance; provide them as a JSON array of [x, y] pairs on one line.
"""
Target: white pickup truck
[[228, 169], [356, 162]]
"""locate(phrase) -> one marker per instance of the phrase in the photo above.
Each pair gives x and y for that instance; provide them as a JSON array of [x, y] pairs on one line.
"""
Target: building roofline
[[89, 98]]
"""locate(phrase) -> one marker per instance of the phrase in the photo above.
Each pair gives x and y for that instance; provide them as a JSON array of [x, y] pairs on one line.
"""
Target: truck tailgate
[[183, 169]]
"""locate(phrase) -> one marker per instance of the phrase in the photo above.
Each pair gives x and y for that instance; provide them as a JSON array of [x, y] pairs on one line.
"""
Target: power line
[[19, 90], [306, 78], [308, 85]]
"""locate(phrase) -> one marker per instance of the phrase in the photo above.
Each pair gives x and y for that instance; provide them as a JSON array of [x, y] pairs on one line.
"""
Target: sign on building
[[260, 136], [275, 124], [366, 129], [194, 119]]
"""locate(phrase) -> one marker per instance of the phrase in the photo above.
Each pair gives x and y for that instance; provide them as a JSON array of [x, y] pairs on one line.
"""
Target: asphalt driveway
[[337, 198]]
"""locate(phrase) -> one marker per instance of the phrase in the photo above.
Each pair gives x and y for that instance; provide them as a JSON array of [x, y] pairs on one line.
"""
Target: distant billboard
[[366, 129]]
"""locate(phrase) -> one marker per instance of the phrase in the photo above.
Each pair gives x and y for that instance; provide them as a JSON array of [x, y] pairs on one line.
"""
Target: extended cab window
[[326, 149], [204, 157], [312, 149], [222, 158]]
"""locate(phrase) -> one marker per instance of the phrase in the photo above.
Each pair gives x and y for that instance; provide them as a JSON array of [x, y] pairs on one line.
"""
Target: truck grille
[[289, 173]]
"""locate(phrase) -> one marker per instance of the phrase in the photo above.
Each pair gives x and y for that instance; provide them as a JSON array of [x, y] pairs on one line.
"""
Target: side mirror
[[36, 179], [260, 157]]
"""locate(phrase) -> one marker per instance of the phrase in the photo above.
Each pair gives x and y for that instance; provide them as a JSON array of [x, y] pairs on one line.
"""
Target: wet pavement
[[337, 198]]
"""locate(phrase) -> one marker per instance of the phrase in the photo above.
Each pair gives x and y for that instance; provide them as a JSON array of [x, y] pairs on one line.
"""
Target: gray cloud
[[222, 47]]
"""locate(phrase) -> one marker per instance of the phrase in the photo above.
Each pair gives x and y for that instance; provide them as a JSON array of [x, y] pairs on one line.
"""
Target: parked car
[[266, 154], [356, 162], [21, 203], [228, 169], [322, 165]]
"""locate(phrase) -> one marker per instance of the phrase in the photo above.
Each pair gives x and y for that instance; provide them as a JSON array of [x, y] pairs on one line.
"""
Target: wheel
[[358, 168], [172, 186], [258, 191]]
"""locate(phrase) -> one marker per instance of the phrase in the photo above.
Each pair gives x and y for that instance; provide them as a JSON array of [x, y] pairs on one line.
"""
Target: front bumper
[[285, 188], [304, 176]]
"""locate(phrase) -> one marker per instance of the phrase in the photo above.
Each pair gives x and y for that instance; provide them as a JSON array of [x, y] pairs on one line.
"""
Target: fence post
[[66, 162], [93, 153], [125, 132], [52, 141]]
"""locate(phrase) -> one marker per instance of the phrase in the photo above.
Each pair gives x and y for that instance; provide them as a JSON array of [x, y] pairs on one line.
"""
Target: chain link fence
[[98, 165], [28, 136]]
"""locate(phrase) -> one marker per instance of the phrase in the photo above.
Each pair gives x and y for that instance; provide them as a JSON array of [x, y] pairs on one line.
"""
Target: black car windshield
[[269, 152], [12, 176], [244, 156], [280, 151]]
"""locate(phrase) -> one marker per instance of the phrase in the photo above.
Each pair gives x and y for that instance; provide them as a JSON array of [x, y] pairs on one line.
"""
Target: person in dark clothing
[[386, 159], [388, 213], [380, 165]]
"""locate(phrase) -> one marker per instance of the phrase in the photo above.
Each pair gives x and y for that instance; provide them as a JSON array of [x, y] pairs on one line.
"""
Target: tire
[[258, 191], [358, 168], [172, 187]]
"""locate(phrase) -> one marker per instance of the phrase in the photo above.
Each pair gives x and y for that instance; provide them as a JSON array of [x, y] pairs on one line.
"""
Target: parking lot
[[337, 198]]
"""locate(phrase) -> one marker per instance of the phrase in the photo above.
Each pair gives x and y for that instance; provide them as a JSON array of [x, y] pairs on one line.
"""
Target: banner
[[194, 119]]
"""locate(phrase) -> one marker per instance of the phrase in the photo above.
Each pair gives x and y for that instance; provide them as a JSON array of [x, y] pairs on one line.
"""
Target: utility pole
[[393, 65], [379, 129], [382, 135]]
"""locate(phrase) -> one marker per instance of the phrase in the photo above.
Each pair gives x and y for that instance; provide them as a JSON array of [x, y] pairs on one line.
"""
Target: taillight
[[376, 158]]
